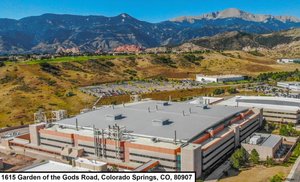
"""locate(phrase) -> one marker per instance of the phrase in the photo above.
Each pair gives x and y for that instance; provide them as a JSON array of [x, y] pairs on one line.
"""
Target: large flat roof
[[137, 118], [276, 103], [272, 141], [219, 76], [269, 140], [54, 166]]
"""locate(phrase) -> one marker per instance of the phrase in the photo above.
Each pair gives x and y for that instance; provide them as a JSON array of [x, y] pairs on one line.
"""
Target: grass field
[[70, 59]]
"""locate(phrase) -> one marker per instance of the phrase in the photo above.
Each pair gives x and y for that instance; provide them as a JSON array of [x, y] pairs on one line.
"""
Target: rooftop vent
[[154, 140], [161, 122], [113, 117], [203, 106]]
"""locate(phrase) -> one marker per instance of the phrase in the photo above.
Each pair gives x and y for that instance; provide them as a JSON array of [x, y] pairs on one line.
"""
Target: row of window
[[50, 139], [230, 145], [152, 157], [245, 128], [92, 147], [215, 164], [224, 142], [51, 145], [273, 112], [216, 154], [106, 156], [280, 117], [249, 127], [249, 132]]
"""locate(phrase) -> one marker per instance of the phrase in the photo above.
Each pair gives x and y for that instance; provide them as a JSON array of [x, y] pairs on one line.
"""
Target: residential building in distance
[[148, 135], [266, 145], [293, 86], [218, 78], [286, 60], [128, 49], [275, 109]]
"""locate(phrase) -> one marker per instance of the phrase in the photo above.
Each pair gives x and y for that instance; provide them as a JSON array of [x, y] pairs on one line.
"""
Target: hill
[[278, 44], [53, 84]]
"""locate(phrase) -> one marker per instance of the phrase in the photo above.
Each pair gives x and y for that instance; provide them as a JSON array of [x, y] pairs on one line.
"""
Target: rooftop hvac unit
[[59, 115], [203, 106], [113, 117], [160, 122], [165, 103], [255, 140]]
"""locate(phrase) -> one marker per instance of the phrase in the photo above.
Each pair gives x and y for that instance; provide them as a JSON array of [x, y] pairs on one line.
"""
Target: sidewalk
[[295, 172]]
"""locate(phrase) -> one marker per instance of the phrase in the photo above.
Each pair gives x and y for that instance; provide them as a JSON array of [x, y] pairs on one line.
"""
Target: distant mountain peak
[[232, 12], [236, 13], [125, 15], [51, 33]]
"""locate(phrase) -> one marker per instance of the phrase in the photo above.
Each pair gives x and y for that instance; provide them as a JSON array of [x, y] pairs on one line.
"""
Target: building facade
[[275, 109], [293, 86], [286, 60], [266, 145], [218, 78], [187, 137]]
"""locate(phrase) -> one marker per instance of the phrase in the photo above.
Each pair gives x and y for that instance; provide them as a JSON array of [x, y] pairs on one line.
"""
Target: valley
[[53, 84]]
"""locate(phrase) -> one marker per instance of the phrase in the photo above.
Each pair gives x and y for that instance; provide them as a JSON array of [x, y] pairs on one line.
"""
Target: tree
[[232, 90], [254, 156], [218, 91], [287, 130], [239, 158], [269, 161]]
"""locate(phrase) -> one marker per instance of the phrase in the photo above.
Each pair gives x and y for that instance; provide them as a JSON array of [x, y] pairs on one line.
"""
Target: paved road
[[296, 176]]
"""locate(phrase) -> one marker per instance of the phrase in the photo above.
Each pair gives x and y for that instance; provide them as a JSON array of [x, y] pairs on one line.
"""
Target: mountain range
[[52, 33], [236, 40]]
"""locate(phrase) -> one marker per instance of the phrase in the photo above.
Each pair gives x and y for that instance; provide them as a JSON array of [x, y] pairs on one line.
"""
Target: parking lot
[[14, 132], [275, 91], [138, 87]]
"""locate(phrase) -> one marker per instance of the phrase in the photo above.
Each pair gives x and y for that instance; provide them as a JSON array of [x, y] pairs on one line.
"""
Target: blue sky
[[148, 10]]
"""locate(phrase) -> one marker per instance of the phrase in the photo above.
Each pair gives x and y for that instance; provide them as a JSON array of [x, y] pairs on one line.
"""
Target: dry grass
[[25, 88], [258, 174]]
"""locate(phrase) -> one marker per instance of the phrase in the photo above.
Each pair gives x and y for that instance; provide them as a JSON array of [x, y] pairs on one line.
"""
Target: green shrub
[[277, 178], [232, 90], [218, 91], [2, 64], [50, 68], [254, 157], [164, 60]]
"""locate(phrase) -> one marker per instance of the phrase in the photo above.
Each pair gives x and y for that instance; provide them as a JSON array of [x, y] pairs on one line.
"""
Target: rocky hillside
[[287, 42], [50, 33]]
